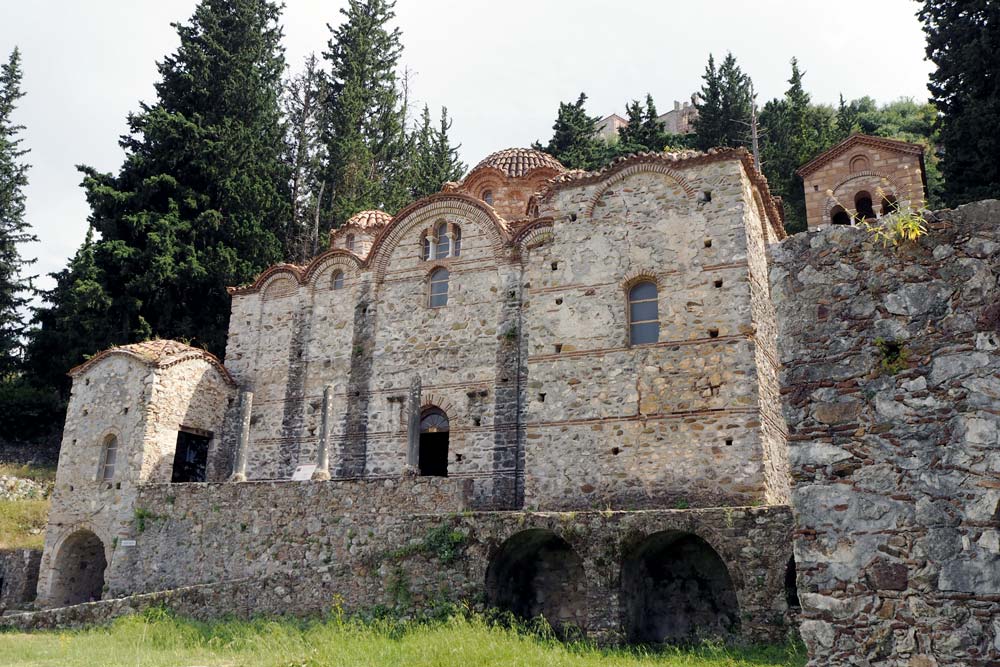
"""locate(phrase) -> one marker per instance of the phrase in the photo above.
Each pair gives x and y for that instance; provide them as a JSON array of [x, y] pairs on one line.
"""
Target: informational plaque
[[127, 543], [304, 473]]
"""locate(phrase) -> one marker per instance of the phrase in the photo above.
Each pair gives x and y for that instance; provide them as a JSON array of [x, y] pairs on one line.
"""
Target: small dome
[[518, 162], [369, 219]]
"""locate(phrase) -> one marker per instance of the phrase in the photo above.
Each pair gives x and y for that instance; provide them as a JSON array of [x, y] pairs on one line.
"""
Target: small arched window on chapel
[[349, 242], [488, 197], [643, 314], [442, 244], [109, 456], [439, 288], [338, 280]]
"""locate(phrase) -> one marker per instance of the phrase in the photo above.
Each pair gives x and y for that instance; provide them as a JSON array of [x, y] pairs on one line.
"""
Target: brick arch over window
[[532, 236], [280, 284], [892, 189], [465, 210], [321, 270], [632, 170], [436, 401]]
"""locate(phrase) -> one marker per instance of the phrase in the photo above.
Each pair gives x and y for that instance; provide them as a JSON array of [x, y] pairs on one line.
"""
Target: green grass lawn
[[158, 640]]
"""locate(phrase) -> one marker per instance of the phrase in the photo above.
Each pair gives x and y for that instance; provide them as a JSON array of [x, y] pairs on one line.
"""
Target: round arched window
[[338, 280], [439, 288], [488, 197], [643, 314]]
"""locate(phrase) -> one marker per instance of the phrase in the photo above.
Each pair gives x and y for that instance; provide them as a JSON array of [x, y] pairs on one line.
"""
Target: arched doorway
[[863, 205], [78, 574], [537, 573], [432, 459], [675, 588]]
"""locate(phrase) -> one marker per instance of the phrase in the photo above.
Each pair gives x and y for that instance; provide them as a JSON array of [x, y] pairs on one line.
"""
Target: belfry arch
[[78, 574]]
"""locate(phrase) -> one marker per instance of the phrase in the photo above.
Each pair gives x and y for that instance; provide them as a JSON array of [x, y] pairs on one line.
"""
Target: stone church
[[574, 375]]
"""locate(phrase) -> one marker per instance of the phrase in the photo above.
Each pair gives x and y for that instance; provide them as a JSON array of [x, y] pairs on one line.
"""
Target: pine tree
[[15, 288], [304, 97], [725, 104], [574, 140], [202, 199], [435, 160], [963, 40], [645, 131], [367, 144]]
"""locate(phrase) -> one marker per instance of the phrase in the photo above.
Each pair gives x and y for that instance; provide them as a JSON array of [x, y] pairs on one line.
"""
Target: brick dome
[[518, 162], [369, 219]]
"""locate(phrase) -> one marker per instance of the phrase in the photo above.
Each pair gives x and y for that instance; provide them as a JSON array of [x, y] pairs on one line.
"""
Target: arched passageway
[[675, 588], [537, 573], [432, 458], [78, 575], [839, 216]]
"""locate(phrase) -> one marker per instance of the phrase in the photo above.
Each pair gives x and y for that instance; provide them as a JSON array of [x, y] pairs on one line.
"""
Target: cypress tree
[[304, 97], [435, 160], [963, 41], [202, 199], [15, 288], [725, 106], [574, 139], [366, 140], [645, 131]]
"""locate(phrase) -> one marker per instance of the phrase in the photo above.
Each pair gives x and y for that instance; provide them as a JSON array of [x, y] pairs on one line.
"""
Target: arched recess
[[839, 216], [280, 285], [537, 573], [633, 170], [676, 588], [320, 269], [467, 211], [432, 456], [78, 572]]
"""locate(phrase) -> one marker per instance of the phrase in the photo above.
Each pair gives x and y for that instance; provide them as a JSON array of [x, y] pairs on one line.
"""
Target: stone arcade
[[548, 391]]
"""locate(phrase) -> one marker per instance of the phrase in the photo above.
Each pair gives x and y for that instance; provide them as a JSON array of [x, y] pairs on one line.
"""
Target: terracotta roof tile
[[369, 219], [159, 353], [518, 162]]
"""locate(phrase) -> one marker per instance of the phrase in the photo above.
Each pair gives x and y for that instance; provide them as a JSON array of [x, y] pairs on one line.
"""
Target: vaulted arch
[[623, 174]]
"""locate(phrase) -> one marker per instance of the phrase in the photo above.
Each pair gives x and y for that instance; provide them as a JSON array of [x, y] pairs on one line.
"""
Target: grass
[[156, 639], [33, 472], [17, 520]]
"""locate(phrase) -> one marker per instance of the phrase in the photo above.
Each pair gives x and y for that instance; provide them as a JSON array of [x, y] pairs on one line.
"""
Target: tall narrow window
[[443, 245], [109, 457], [349, 242], [439, 288], [456, 238], [338, 280], [643, 314]]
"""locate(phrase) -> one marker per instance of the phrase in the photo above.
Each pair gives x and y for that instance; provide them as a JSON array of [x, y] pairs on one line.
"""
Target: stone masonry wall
[[18, 577], [891, 385]]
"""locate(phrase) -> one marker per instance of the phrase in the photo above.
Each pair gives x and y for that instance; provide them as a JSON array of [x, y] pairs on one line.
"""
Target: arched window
[[859, 163], [839, 216], [443, 244], [109, 456], [488, 197], [337, 282], [456, 241], [349, 242], [439, 288], [863, 205], [432, 458], [889, 204], [643, 314], [425, 247]]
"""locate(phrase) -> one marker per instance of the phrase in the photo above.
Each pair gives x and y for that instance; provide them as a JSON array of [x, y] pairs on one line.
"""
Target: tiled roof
[[369, 219], [160, 353], [853, 140], [517, 162]]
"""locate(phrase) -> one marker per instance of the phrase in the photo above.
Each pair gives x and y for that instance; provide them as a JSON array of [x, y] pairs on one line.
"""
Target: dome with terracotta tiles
[[369, 219], [518, 162]]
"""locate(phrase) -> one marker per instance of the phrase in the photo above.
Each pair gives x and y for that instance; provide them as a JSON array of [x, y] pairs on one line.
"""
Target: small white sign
[[127, 543], [304, 473]]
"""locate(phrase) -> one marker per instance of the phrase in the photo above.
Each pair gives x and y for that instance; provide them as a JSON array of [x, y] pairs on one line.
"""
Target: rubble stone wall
[[891, 387], [18, 577]]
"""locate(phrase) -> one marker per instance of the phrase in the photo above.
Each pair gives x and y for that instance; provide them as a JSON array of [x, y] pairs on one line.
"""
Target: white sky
[[501, 68]]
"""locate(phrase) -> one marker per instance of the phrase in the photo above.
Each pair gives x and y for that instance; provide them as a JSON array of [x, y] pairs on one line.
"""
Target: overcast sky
[[501, 68]]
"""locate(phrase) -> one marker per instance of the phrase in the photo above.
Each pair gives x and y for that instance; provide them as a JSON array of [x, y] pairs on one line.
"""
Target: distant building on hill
[[679, 120]]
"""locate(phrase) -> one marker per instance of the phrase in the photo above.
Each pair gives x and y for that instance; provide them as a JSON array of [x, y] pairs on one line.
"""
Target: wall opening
[[791, 586], [432, 459], [537, 573], [78, 575], [675, 588], [839, 216], [889, 204], [863, 206], [191, 457]]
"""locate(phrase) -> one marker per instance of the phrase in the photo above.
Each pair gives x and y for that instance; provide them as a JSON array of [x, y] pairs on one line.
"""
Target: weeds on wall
[[903, 224], [893, 355]]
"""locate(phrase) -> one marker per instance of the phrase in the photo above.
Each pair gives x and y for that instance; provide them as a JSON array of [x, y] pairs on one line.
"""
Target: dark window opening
[[791, 587], [718, 284], [432, 458], [863, 205], [840, 217], [708, 243], [889, 205], [713, 333], [190, 458]]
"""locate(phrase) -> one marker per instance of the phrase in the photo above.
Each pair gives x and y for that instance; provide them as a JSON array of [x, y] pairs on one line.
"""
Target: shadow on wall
[[79, 569], [675, 588], [537, 573]]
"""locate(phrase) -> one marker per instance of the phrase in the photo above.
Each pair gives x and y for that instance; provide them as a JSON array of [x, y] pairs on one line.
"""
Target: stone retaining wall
[[891, 387], [18, 577]]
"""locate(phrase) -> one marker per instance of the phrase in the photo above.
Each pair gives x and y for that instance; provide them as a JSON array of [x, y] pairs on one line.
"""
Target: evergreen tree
[[366, 140], [963, 40], [15, 288], [305, 95], [645, 131], [574, 140], [202, 199], [725, 105], [847, 120], [435, 161]]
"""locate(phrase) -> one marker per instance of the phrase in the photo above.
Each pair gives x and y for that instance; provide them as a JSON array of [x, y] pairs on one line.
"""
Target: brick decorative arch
[[344, 260], [632, 170], [425, 213], [533, 236], [831, 202], [429, 401], [637, 276], [274, 286]]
